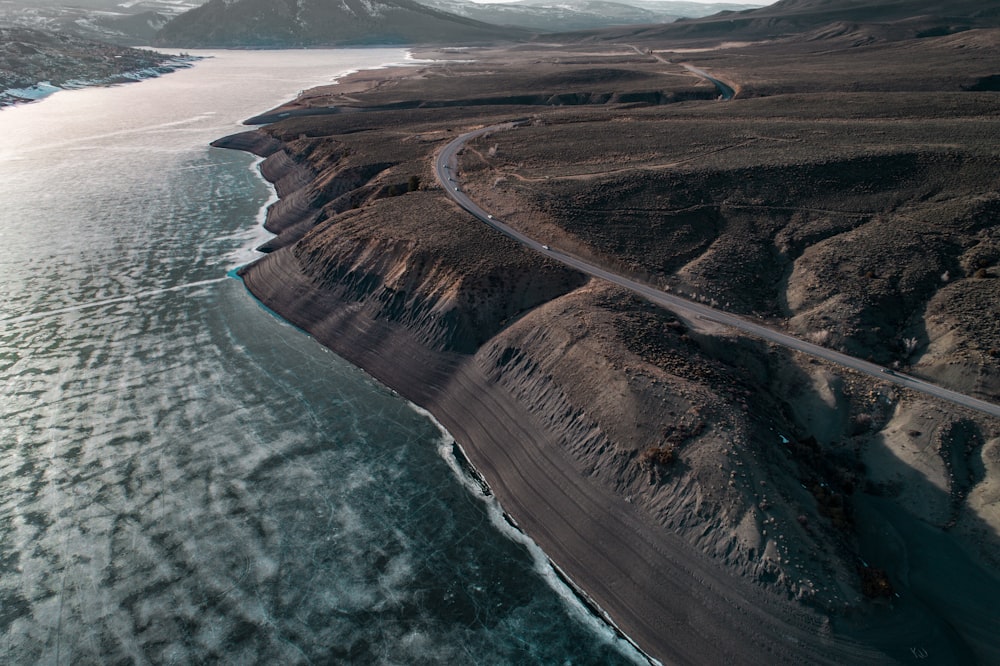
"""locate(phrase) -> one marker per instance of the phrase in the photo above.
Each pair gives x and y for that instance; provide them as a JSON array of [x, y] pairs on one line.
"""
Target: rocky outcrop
[[34, 63], [447, 297], [258, 143]]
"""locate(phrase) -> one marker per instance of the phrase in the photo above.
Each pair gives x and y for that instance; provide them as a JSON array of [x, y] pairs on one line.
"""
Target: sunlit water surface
[[184, 478]]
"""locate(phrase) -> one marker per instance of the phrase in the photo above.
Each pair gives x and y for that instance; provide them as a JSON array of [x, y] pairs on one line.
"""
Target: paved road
[[726, 91], [446, 171]]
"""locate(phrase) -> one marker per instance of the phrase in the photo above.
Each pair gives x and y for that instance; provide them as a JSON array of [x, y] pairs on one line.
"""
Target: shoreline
[[674, 603], [44, 89], [464, 469], [469, 475], [462, 464], [684, 584], [649, 583]]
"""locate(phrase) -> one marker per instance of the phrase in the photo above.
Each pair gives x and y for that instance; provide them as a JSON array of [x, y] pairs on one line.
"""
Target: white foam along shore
[[583, 608]]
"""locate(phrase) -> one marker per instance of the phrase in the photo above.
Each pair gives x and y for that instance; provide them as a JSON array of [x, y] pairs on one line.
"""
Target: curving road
[[726, 91], [446, 170]]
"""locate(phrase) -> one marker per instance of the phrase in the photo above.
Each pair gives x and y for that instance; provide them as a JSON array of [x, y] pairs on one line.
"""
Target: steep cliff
[[601, 423], [722, 499]]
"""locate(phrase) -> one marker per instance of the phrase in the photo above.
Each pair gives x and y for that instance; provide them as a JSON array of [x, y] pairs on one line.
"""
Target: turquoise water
[[185, 478]]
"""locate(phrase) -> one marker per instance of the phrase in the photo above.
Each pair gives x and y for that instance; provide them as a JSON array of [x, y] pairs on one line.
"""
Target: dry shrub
[[875, 583], [658, 457]]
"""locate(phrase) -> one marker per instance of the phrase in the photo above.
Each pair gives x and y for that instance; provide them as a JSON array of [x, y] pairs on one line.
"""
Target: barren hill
[[683, 474], [894, 19], [764, 506], [284, 23]]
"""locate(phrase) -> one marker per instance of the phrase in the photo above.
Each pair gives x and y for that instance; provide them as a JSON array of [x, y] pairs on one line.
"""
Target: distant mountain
[[551, 16], [812, 13], [559, 16], [129, 22], [139, 21], [140, 28], [283, 23], [859, 20]]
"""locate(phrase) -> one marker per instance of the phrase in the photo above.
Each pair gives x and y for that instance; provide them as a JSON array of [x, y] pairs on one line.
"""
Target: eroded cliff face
[[726, 501], [585, 406], [646, 409], [684, 426], [442, 279]]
